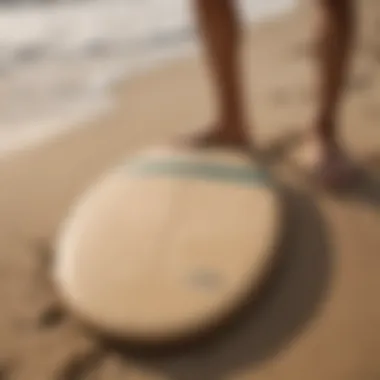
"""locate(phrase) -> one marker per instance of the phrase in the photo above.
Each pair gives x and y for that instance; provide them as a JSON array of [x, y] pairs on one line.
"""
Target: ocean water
[[60, 61]]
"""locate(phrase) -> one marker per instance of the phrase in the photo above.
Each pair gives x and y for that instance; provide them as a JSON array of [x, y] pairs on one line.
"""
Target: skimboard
[[168, 243]]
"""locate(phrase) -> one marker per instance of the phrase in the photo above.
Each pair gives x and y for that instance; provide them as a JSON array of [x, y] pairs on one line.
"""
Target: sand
[[319, 320]]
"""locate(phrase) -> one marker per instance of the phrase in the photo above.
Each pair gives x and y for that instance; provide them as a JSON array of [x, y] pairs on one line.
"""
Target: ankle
[[232, 125], [325, 132]]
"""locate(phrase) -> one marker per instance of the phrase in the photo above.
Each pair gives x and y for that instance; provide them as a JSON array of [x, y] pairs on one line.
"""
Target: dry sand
[[321, 319]]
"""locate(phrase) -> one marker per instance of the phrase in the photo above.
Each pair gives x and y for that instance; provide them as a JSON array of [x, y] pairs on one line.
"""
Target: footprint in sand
[[5, 371], [80, 367], [52, 316]]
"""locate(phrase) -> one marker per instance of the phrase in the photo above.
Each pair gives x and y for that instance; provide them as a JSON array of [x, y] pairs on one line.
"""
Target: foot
[[334, 168], [218, 138], [330, 165]]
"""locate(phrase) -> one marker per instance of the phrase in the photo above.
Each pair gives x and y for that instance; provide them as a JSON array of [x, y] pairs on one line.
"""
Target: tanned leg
[[220, 32], [336, 37]]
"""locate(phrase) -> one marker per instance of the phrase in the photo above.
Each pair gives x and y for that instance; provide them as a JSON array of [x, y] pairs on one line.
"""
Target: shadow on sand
[[367, 190], [294, 296]]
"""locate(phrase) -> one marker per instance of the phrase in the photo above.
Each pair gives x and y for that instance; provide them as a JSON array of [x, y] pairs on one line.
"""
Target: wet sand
[[320, 318]]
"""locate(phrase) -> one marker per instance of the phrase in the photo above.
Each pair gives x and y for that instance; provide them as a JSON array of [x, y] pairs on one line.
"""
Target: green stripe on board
[[200, 170]]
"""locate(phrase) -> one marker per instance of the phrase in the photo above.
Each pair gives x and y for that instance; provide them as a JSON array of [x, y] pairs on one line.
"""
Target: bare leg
[[220, 30], [337, 31]]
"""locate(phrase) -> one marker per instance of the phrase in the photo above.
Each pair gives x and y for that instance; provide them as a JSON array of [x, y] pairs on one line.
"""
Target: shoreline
[[29, 136]]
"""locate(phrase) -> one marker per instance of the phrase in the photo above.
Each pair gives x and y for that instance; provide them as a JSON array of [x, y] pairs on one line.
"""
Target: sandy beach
[[321, 318]]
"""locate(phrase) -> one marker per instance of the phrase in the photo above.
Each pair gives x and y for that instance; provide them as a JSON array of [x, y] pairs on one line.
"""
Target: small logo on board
[[206, 279]]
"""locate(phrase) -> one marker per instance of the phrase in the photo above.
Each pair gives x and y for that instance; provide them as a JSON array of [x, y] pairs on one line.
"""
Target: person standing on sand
[[219, 26]]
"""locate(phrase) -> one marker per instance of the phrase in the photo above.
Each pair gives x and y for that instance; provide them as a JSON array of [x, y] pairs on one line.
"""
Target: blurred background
[[60, 59]]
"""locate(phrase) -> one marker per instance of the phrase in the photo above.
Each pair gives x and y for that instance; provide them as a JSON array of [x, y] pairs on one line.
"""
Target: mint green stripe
[[198, 170]]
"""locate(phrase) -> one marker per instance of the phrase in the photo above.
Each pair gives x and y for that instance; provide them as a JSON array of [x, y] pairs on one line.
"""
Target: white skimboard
[[168, 243]]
